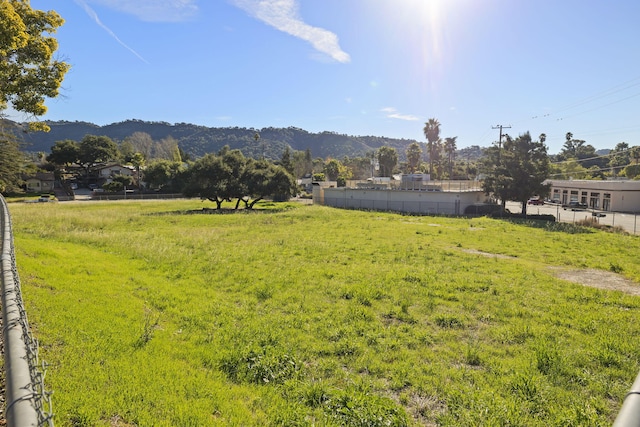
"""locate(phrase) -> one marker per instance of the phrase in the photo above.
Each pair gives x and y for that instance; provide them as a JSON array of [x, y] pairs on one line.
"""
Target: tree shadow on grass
[[260, 210]]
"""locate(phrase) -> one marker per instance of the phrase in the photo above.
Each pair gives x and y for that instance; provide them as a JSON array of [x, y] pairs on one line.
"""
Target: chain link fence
[[27, 401], [628, 221]]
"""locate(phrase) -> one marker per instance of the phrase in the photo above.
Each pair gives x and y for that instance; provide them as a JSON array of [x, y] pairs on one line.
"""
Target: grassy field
[[154, 314]]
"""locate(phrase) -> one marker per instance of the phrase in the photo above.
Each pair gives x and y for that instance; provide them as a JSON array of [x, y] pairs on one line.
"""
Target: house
[[41, 182], [610, 195], [107, 172]]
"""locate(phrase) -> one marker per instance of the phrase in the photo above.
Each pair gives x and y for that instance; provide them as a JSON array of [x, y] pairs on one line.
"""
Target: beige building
[[41, 182], [613, 195]]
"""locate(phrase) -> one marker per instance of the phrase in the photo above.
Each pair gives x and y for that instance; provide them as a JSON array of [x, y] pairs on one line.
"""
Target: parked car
[[575, 206], [535, 201]]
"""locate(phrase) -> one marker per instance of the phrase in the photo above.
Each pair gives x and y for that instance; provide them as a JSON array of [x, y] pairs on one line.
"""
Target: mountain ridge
[[197, 140]]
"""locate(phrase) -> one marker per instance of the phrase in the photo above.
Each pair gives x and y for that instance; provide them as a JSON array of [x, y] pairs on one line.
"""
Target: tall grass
[[153, 315]]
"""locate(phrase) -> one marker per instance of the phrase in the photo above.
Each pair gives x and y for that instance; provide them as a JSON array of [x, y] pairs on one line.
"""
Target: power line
[[500, 127], [629, 84]]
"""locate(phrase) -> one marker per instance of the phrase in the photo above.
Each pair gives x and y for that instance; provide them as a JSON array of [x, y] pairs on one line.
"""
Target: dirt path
[[586, 277], [597, 279]]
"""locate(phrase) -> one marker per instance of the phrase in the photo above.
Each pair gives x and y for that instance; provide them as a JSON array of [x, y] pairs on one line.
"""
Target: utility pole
[[500, 140], [500, 127]]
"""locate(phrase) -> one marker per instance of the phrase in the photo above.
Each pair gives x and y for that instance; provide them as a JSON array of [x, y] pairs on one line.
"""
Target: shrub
[[361, 408], [593, 223], [449, 322], [259, 366]]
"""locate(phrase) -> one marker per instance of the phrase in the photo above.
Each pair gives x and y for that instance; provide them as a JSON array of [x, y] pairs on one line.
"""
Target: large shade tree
[[163, 174], [332, 169], [619, 157], [64, 153], [263, 179], [229, 175], [97, 149], [28, 75], [28, 71], [517, 170], [208, 178]]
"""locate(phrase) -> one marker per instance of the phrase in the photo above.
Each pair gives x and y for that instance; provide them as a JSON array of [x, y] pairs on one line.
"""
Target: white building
[[448, 198], [613, 195]]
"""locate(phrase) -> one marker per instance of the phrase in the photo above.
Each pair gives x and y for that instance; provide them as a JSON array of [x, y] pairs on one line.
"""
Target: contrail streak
[[95, 17], [283, 15]]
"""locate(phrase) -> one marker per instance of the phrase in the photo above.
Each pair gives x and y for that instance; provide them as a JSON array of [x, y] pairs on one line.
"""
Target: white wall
[[410, 201]]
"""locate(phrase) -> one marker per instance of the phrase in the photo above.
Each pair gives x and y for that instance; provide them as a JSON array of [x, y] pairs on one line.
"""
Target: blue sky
[[359, 67]]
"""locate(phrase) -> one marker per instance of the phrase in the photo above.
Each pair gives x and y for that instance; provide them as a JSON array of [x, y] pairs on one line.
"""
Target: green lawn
[[152, 315]]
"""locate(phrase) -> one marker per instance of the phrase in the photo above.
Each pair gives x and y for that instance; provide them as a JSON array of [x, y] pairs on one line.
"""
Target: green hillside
[[199, 140]]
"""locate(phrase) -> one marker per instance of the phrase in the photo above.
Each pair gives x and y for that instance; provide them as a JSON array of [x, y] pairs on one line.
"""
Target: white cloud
[[153, 10], [94, 16], [284, 16], [392, 113]]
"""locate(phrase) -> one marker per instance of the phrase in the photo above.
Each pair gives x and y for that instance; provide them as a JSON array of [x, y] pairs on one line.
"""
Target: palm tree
[[450, 149], [432, 133], [414, 152]]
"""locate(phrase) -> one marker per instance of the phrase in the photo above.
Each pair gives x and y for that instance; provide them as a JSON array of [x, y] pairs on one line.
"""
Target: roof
[[114, 165], [41, 176]]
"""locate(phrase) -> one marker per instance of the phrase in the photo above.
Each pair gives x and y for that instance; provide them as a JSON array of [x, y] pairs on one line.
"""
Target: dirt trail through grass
[[586, 277], [597, 279]]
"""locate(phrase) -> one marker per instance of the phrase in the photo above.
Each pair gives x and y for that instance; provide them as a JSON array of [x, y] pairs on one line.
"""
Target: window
[[594, 201], [606, 202], [574, 195]]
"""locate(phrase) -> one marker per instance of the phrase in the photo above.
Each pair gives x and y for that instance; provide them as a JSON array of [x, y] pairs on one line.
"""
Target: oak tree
[[517, 170]]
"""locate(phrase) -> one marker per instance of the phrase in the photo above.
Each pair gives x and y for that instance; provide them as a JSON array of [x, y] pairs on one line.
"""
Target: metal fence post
[[24, 392], [629, 414]]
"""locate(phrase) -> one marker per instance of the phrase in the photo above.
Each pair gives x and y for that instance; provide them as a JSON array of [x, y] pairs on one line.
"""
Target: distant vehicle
[[575, 206], [44, 198], [535, 201], [92, 186], [74, 186]]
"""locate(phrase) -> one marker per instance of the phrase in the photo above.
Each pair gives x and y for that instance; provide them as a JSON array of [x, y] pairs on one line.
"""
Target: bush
[[113, 186], [360, 408], [548, 217], [483, 209], [263, 366], [593, 223]]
